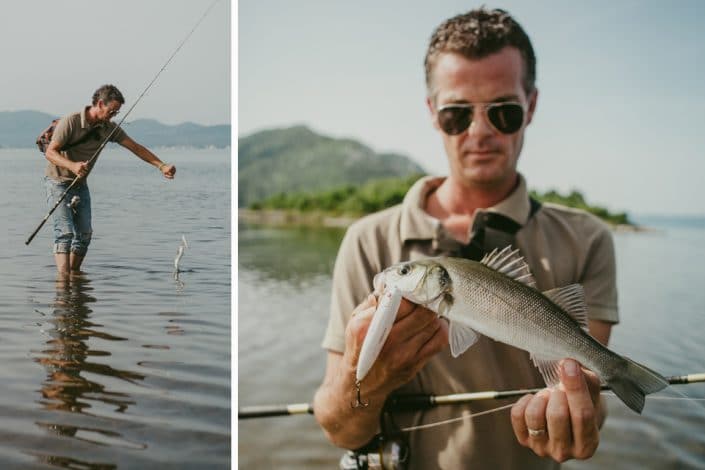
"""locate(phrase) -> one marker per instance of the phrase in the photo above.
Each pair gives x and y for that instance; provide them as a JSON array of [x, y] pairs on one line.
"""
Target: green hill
[[296, 159]]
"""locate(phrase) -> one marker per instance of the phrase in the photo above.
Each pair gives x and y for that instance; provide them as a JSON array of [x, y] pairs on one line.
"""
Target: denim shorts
[[72, 225]]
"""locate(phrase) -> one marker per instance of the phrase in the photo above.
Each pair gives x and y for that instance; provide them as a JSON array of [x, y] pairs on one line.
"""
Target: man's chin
[[485, 178]]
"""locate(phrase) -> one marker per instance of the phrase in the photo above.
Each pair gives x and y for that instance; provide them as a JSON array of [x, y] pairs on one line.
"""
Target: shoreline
[[292, 218], [284, 217]]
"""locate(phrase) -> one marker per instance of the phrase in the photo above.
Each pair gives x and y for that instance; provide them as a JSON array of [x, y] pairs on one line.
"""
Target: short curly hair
[[107, 93], [476, 35]]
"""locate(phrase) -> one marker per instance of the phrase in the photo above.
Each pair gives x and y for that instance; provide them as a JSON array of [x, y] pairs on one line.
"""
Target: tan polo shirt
[[72, 128], [561, 245]]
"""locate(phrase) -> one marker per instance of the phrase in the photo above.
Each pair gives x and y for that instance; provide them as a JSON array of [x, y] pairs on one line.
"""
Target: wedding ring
[[536, 432]]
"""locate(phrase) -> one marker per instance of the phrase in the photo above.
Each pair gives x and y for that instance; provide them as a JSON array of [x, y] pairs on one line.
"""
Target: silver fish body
[[180, 253], [73, 204], [497, 298]]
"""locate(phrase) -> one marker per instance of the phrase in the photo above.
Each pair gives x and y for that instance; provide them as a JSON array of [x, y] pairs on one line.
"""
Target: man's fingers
[[582, 409], [437, 341], [406, 307], [535, 416], [518, 416], [559, 422], [417, 321], [361, 318]]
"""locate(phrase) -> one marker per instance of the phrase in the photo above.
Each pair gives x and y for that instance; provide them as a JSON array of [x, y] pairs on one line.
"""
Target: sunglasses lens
[[506, 118], [454, 120]]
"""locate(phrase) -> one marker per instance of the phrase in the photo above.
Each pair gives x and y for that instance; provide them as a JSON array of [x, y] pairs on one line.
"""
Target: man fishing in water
[[75, 140], [480, 77]]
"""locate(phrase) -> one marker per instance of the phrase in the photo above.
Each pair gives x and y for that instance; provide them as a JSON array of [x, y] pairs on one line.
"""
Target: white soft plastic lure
[[378, 331]]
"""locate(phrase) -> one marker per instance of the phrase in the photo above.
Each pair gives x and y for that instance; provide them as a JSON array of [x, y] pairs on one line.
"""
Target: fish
[[180, 253], [74, 203], [497, 297]]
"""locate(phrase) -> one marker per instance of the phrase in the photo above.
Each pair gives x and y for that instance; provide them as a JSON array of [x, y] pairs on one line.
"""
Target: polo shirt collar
[[416, 224], [516, 206], [84, 119]]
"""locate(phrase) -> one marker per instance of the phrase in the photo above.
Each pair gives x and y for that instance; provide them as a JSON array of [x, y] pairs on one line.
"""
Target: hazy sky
[[56, 53], [622, 88]]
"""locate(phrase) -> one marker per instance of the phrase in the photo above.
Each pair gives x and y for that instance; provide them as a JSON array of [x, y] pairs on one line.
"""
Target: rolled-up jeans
[[72, 225]]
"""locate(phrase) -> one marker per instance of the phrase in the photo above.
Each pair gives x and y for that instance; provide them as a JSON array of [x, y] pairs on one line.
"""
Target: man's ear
[[432, 110], [533, 98]]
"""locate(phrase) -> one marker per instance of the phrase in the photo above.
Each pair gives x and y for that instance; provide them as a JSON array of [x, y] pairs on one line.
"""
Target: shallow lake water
[[123, 366]]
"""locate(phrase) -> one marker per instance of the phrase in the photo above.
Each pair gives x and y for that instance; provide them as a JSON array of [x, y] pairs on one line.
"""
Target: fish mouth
[[424, 292]]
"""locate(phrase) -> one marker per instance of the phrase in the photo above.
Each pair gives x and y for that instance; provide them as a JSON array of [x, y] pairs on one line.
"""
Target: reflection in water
[[66, 360], [291, 254]]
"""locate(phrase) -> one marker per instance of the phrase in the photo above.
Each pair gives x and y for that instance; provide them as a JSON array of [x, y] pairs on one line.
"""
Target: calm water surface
[[284, 294], [124, 366]]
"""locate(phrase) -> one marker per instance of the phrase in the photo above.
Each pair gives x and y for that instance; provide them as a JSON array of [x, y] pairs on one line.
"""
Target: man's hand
[[417, 334], [79, 168], [564, 423], [168, 170], [415, 337]]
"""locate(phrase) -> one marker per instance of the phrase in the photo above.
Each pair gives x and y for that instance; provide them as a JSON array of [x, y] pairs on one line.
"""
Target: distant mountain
[[19, 129], [297, 159]]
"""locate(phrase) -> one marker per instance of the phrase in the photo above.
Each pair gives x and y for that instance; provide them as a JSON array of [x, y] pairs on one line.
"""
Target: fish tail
[[633, 382]]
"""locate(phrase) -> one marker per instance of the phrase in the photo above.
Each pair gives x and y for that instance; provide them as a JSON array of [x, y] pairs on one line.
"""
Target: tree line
[[358, 200]]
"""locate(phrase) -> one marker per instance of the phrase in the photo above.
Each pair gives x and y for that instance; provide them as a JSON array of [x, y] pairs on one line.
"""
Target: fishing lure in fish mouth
[[497, 297]]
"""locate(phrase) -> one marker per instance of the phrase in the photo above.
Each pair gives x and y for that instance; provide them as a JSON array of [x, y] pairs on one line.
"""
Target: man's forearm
[[345, 426], [57, 159], [146, 155]]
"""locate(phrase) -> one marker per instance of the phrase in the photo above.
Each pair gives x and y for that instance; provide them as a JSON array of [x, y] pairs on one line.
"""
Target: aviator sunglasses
[[507, 116]]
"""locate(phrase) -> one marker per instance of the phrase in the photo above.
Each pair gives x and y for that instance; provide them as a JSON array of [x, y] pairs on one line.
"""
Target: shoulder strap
[[494, 230], [535, 206]]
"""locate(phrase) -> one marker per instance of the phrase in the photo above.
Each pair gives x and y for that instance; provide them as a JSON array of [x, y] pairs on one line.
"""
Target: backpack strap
[[45, 137], [492, 231]]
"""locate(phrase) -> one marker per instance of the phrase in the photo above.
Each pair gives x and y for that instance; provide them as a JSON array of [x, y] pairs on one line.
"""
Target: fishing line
[[460, 418], [117, 126], [493, 410]]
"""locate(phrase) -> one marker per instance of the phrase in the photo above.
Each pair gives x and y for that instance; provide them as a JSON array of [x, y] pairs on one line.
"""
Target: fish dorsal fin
[[510, 262], [571, 298], [548, 369], [460, 337]]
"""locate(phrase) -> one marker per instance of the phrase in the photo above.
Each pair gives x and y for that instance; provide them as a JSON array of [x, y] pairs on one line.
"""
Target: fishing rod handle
[[266, 411]]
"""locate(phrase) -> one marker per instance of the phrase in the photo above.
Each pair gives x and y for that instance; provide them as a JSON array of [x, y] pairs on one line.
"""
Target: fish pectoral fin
[[441, 305], [571, 298], [548, 369], [460, 337]]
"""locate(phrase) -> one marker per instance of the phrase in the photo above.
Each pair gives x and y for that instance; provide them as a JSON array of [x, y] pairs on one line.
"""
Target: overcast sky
[[56, 53], [622, 88]]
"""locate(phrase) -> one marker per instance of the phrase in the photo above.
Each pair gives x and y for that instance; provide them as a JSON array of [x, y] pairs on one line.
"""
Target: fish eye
[[404, 269]]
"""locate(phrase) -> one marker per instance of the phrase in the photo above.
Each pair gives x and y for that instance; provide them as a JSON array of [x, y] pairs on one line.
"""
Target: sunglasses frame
[[486, 108]]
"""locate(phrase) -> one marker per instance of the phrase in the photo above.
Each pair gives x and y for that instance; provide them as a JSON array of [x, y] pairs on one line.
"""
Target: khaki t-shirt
[[561, 245], [71, 129]]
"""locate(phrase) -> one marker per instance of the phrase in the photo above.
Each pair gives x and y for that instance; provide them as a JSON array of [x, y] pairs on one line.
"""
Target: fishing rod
[[421, 402], [117, 126]]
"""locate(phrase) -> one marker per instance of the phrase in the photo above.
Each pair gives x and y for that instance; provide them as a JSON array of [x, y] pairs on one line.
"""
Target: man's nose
[[480, 126]]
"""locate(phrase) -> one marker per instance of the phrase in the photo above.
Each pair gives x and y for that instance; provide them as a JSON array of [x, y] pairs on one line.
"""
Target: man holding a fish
[[480, 75]]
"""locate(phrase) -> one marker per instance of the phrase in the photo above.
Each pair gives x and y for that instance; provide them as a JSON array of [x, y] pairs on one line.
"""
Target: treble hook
[[358, 403]]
